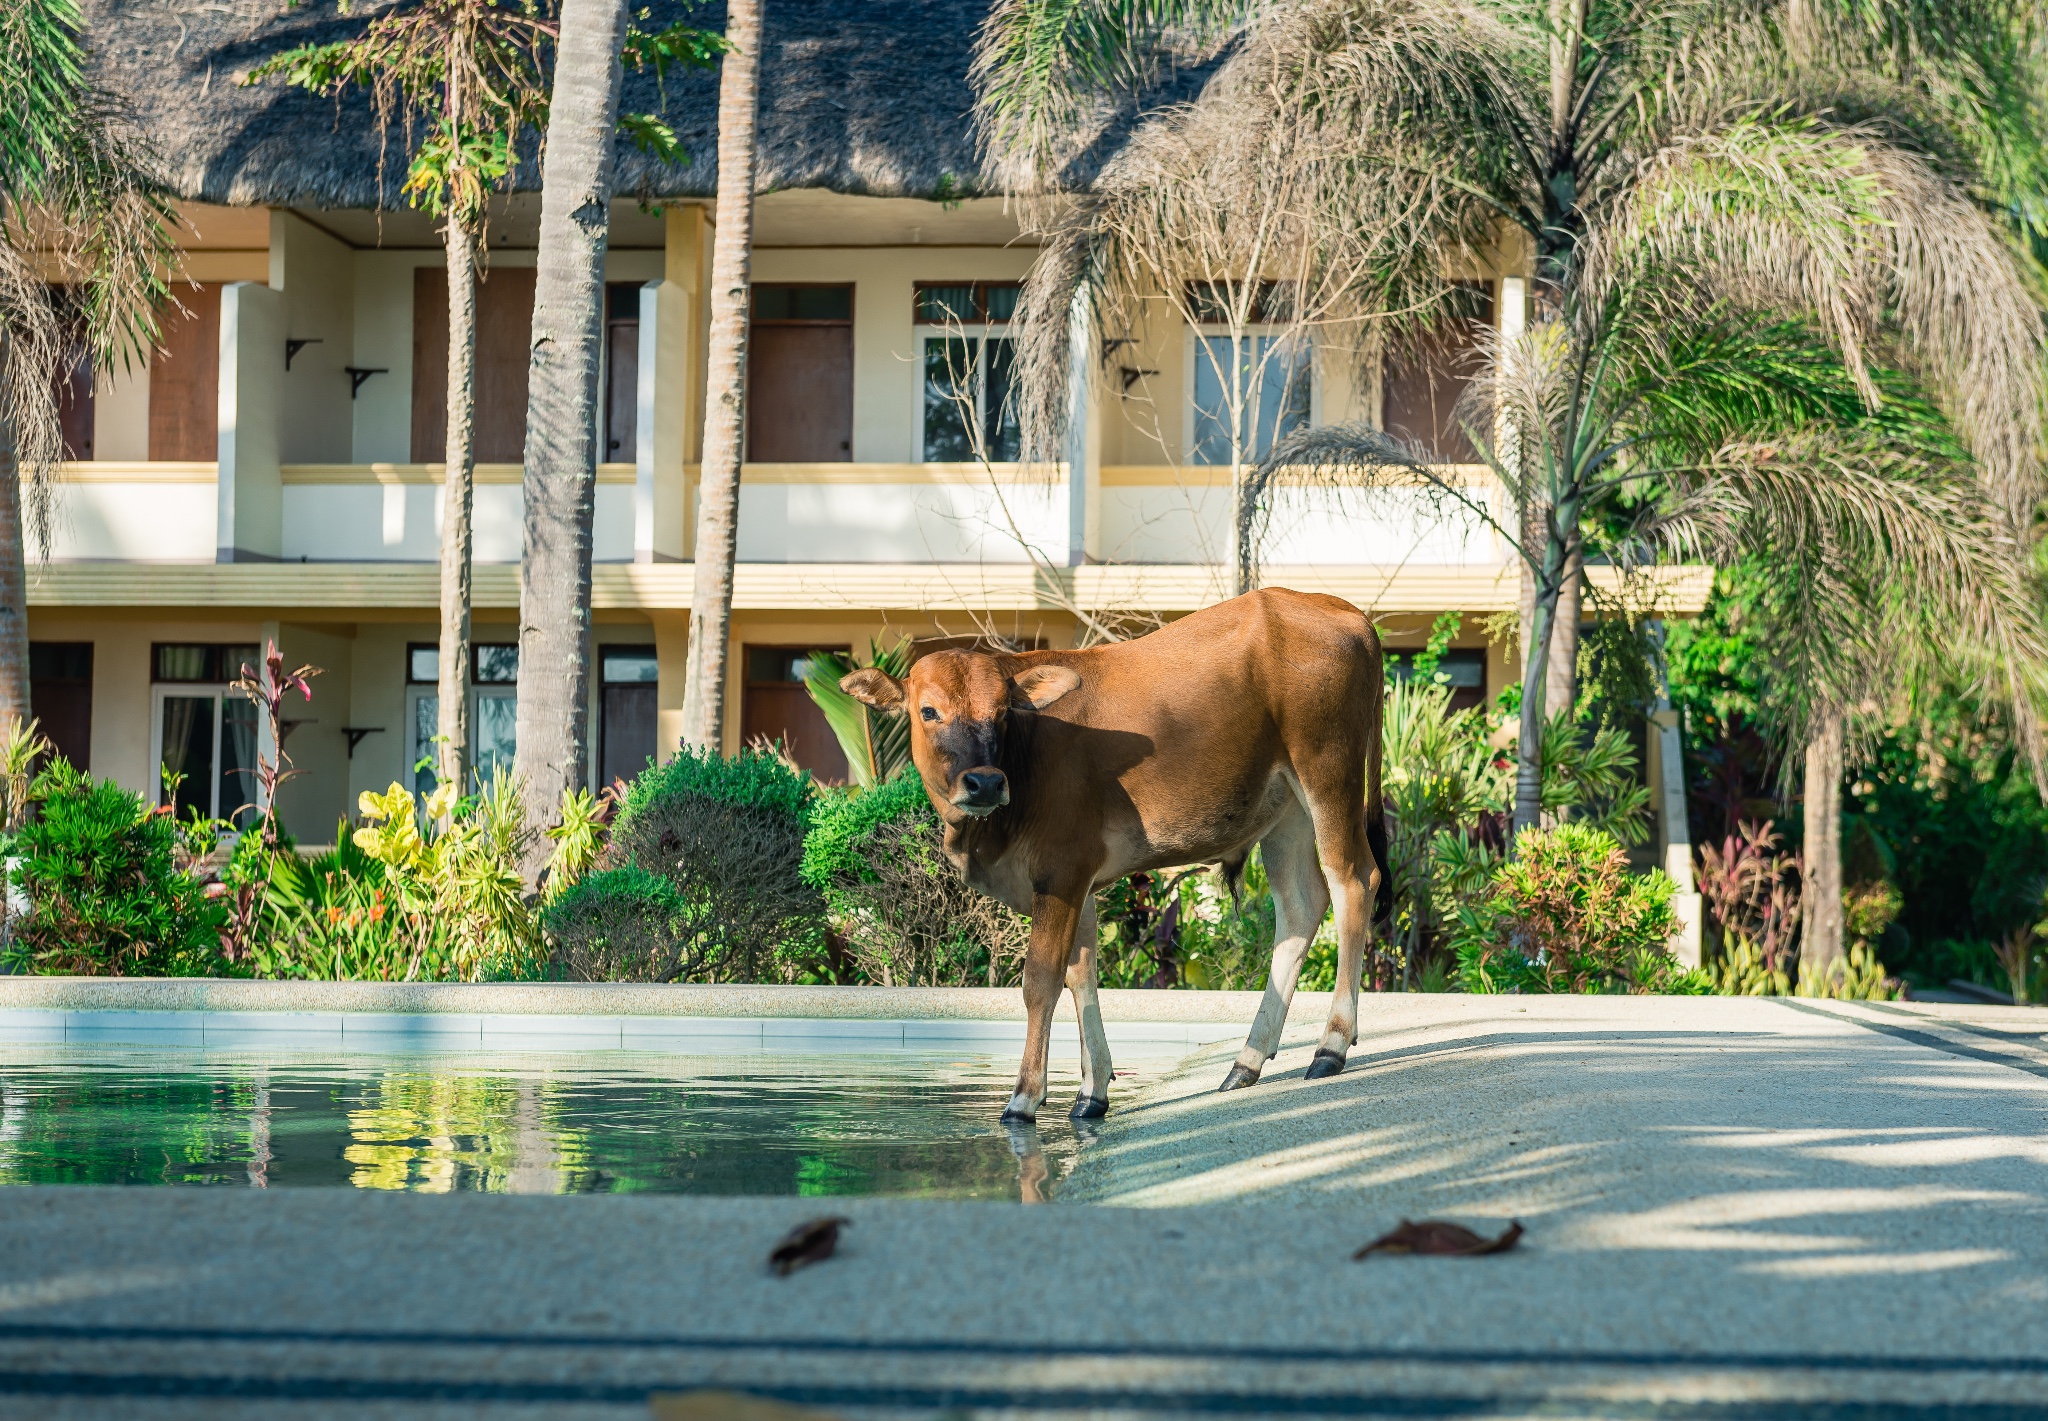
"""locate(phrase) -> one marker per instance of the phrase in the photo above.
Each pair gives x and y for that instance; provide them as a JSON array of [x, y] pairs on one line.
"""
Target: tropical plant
[[105, 894], [906, 916], [1857, 974], [21, 746], [718, 488], [1753, 898], [729, 834], [475, 73], [623, 925], [79, 198], [1565, 915], [877, 743], [1777, 308]]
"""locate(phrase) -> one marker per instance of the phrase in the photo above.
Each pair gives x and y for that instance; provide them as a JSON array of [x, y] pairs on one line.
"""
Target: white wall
[[901, 523], [316, 273], [1377, 527], [367, 522], [142, 522], [886, 372]]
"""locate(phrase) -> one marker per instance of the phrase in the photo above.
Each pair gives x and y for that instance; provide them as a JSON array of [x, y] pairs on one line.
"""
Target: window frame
[[220, 693], [1191, 353], [979, 330]]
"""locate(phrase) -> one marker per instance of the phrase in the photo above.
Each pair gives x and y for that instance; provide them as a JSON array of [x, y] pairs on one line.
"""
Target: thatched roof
[[858, 96]]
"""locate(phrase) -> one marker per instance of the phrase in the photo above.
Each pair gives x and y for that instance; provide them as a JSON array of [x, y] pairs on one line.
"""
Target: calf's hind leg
[[1300, 898], [1092, 1100], [1354, 880]]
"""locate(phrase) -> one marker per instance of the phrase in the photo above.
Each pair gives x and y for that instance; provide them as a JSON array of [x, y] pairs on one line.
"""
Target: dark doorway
[[775, 706], [1423, 386], [800, 375], [628, 708], [75, 409], [60, 696], [504, 334], [1463, 671], [184, 377], [622, 372]]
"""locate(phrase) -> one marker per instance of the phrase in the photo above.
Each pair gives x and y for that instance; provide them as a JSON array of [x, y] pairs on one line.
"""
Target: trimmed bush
[[622, 925], [105, 893], [898, 904], [728, 837], [1566, 915]]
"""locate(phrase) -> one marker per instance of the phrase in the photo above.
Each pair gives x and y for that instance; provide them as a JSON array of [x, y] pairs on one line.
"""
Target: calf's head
[[960, 704]]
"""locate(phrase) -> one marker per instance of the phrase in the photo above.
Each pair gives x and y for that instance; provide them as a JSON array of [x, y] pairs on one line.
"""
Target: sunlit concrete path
[[1736, 1210]]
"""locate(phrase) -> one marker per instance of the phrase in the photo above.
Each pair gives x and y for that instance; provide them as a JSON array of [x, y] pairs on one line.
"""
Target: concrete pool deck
[[1737, 1210]]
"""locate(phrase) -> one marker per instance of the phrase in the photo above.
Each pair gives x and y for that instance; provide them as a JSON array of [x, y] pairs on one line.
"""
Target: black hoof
[[1240, 1076], [1326, 1063], [1087, 1109], [1018, 1117]]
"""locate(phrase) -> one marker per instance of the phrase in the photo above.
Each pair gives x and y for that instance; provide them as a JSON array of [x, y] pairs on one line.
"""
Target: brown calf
[[1256, 721]]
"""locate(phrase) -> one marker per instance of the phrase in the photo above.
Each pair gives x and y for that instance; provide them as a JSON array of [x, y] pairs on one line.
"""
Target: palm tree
[[718, 489], [478, 75], [78, 195], [1685, 175], [561, 410]]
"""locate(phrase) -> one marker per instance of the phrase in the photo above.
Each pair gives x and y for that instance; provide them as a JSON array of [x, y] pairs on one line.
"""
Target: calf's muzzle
[[981, 791]]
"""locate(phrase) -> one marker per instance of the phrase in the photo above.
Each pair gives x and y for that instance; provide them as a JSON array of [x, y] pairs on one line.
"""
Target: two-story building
[[273, 472]]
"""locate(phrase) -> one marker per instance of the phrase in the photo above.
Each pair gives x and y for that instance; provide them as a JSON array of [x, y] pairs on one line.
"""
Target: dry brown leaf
[[1434, 1236], [810, 1242]]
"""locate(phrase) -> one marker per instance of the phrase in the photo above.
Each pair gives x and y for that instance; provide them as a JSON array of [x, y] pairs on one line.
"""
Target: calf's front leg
[[1054, 918]]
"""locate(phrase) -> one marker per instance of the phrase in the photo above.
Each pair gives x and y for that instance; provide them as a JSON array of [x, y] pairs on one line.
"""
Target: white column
[[660, 422], [1084, 437], [251, 507], [1674, 833]]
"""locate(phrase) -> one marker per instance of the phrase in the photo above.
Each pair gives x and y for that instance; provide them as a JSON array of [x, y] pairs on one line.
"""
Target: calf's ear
[[1042, 685], [876, 688]]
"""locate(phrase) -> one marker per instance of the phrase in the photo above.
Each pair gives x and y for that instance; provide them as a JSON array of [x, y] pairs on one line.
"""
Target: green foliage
[[751, 779], [877, 743], [1565, 915], [899, 907], [729, 835], [105, 892], [621, 925]]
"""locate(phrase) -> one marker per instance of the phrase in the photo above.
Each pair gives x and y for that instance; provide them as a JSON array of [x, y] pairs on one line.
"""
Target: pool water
[[594, 1123]]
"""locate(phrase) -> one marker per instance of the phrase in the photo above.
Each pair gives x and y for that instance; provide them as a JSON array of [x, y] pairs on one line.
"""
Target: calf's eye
[[930, 714]]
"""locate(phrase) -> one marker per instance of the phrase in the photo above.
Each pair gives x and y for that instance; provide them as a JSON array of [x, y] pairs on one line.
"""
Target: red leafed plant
[[1752, 894]]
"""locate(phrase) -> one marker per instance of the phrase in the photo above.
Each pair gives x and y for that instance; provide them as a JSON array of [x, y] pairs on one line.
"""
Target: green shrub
[[1565, 915], [622, 925], [900, 907], [728, 834], [105, 894]]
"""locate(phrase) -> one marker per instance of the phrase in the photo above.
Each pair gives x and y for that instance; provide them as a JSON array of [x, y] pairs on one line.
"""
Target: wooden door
[[1422, 388], [627, 716], [504, 331], [800, 375], [184, 378], [75, 409], [622, 373], [60, 696], [775, 706]]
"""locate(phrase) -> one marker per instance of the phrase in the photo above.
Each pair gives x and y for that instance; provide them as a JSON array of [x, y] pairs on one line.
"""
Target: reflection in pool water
[[597, 1122]]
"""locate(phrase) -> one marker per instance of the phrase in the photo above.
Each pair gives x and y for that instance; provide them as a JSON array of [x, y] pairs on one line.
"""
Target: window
[[60, 689], [204, 732], [1258, 390], [965, 412], [1463, 671], [504, 335], [628, 707], [493, 708]]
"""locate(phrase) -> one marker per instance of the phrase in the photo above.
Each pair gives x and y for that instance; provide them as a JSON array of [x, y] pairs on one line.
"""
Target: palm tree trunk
[[718, 492], [1549, 581], [561, 411], [1820, 944], [456, 495], [14, 690], [1561, 680]]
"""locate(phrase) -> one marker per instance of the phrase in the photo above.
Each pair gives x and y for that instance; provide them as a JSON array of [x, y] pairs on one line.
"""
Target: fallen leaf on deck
[[1434, 1236], [807, 1243]]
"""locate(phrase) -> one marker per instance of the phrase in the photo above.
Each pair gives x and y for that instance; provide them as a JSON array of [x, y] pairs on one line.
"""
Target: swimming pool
[[901, 1123]]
